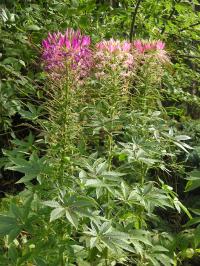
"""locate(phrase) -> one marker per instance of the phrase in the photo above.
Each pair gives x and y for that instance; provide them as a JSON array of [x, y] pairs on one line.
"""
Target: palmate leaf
[[109, 244], [17, 219], [73, 207], [141, 236], [31, 168], [33, 112], [104, 235]]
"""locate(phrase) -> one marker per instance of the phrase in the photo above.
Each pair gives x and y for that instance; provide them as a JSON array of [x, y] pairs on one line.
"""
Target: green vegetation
[[101, 168]]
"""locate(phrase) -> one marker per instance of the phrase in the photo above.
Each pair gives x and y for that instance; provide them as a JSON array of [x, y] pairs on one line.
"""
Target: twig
[[190, 26], [134, 14]]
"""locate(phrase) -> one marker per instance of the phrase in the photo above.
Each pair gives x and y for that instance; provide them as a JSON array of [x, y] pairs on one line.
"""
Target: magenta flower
[[143, 46], [113, 56], [160, 45], [67, 52], [152, 49]]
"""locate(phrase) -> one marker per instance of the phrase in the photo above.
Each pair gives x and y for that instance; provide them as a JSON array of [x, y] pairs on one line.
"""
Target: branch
[[134, 14], [189, 56], [190, 26]]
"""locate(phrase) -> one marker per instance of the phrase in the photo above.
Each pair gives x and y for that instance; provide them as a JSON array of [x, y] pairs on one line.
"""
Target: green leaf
[[94, 183], [82, 202], [181, 146], [109, 244], [193, 221], [31, 168], [72, 218], [7, 224], [7, 219], [148, 188], [93, 241], [5, 229], [158, 248], [57, 213], [52, 203], [13, 234], [193, 180], [182, 137], [13, 253], [16, 211], [33, 27], [101, 168]]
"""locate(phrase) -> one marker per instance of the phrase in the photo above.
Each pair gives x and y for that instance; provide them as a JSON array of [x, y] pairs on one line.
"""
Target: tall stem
[[134, 14]]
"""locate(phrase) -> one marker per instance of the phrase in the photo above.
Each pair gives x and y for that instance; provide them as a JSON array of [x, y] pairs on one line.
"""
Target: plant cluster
[[99, 135], [95, 182]]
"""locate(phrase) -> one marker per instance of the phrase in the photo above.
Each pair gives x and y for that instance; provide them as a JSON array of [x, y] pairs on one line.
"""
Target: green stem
[[106, 257]]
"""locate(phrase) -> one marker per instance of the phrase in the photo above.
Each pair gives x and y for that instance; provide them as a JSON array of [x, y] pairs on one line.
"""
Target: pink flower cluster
[[155, 48], [113, 55], [71, 52], [67, 52]]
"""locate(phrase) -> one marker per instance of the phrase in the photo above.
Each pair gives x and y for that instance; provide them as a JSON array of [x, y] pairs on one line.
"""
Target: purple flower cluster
[[67, 52]]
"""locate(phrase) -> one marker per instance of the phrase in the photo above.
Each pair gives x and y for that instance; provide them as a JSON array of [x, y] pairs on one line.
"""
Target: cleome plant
[[96, 180]]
